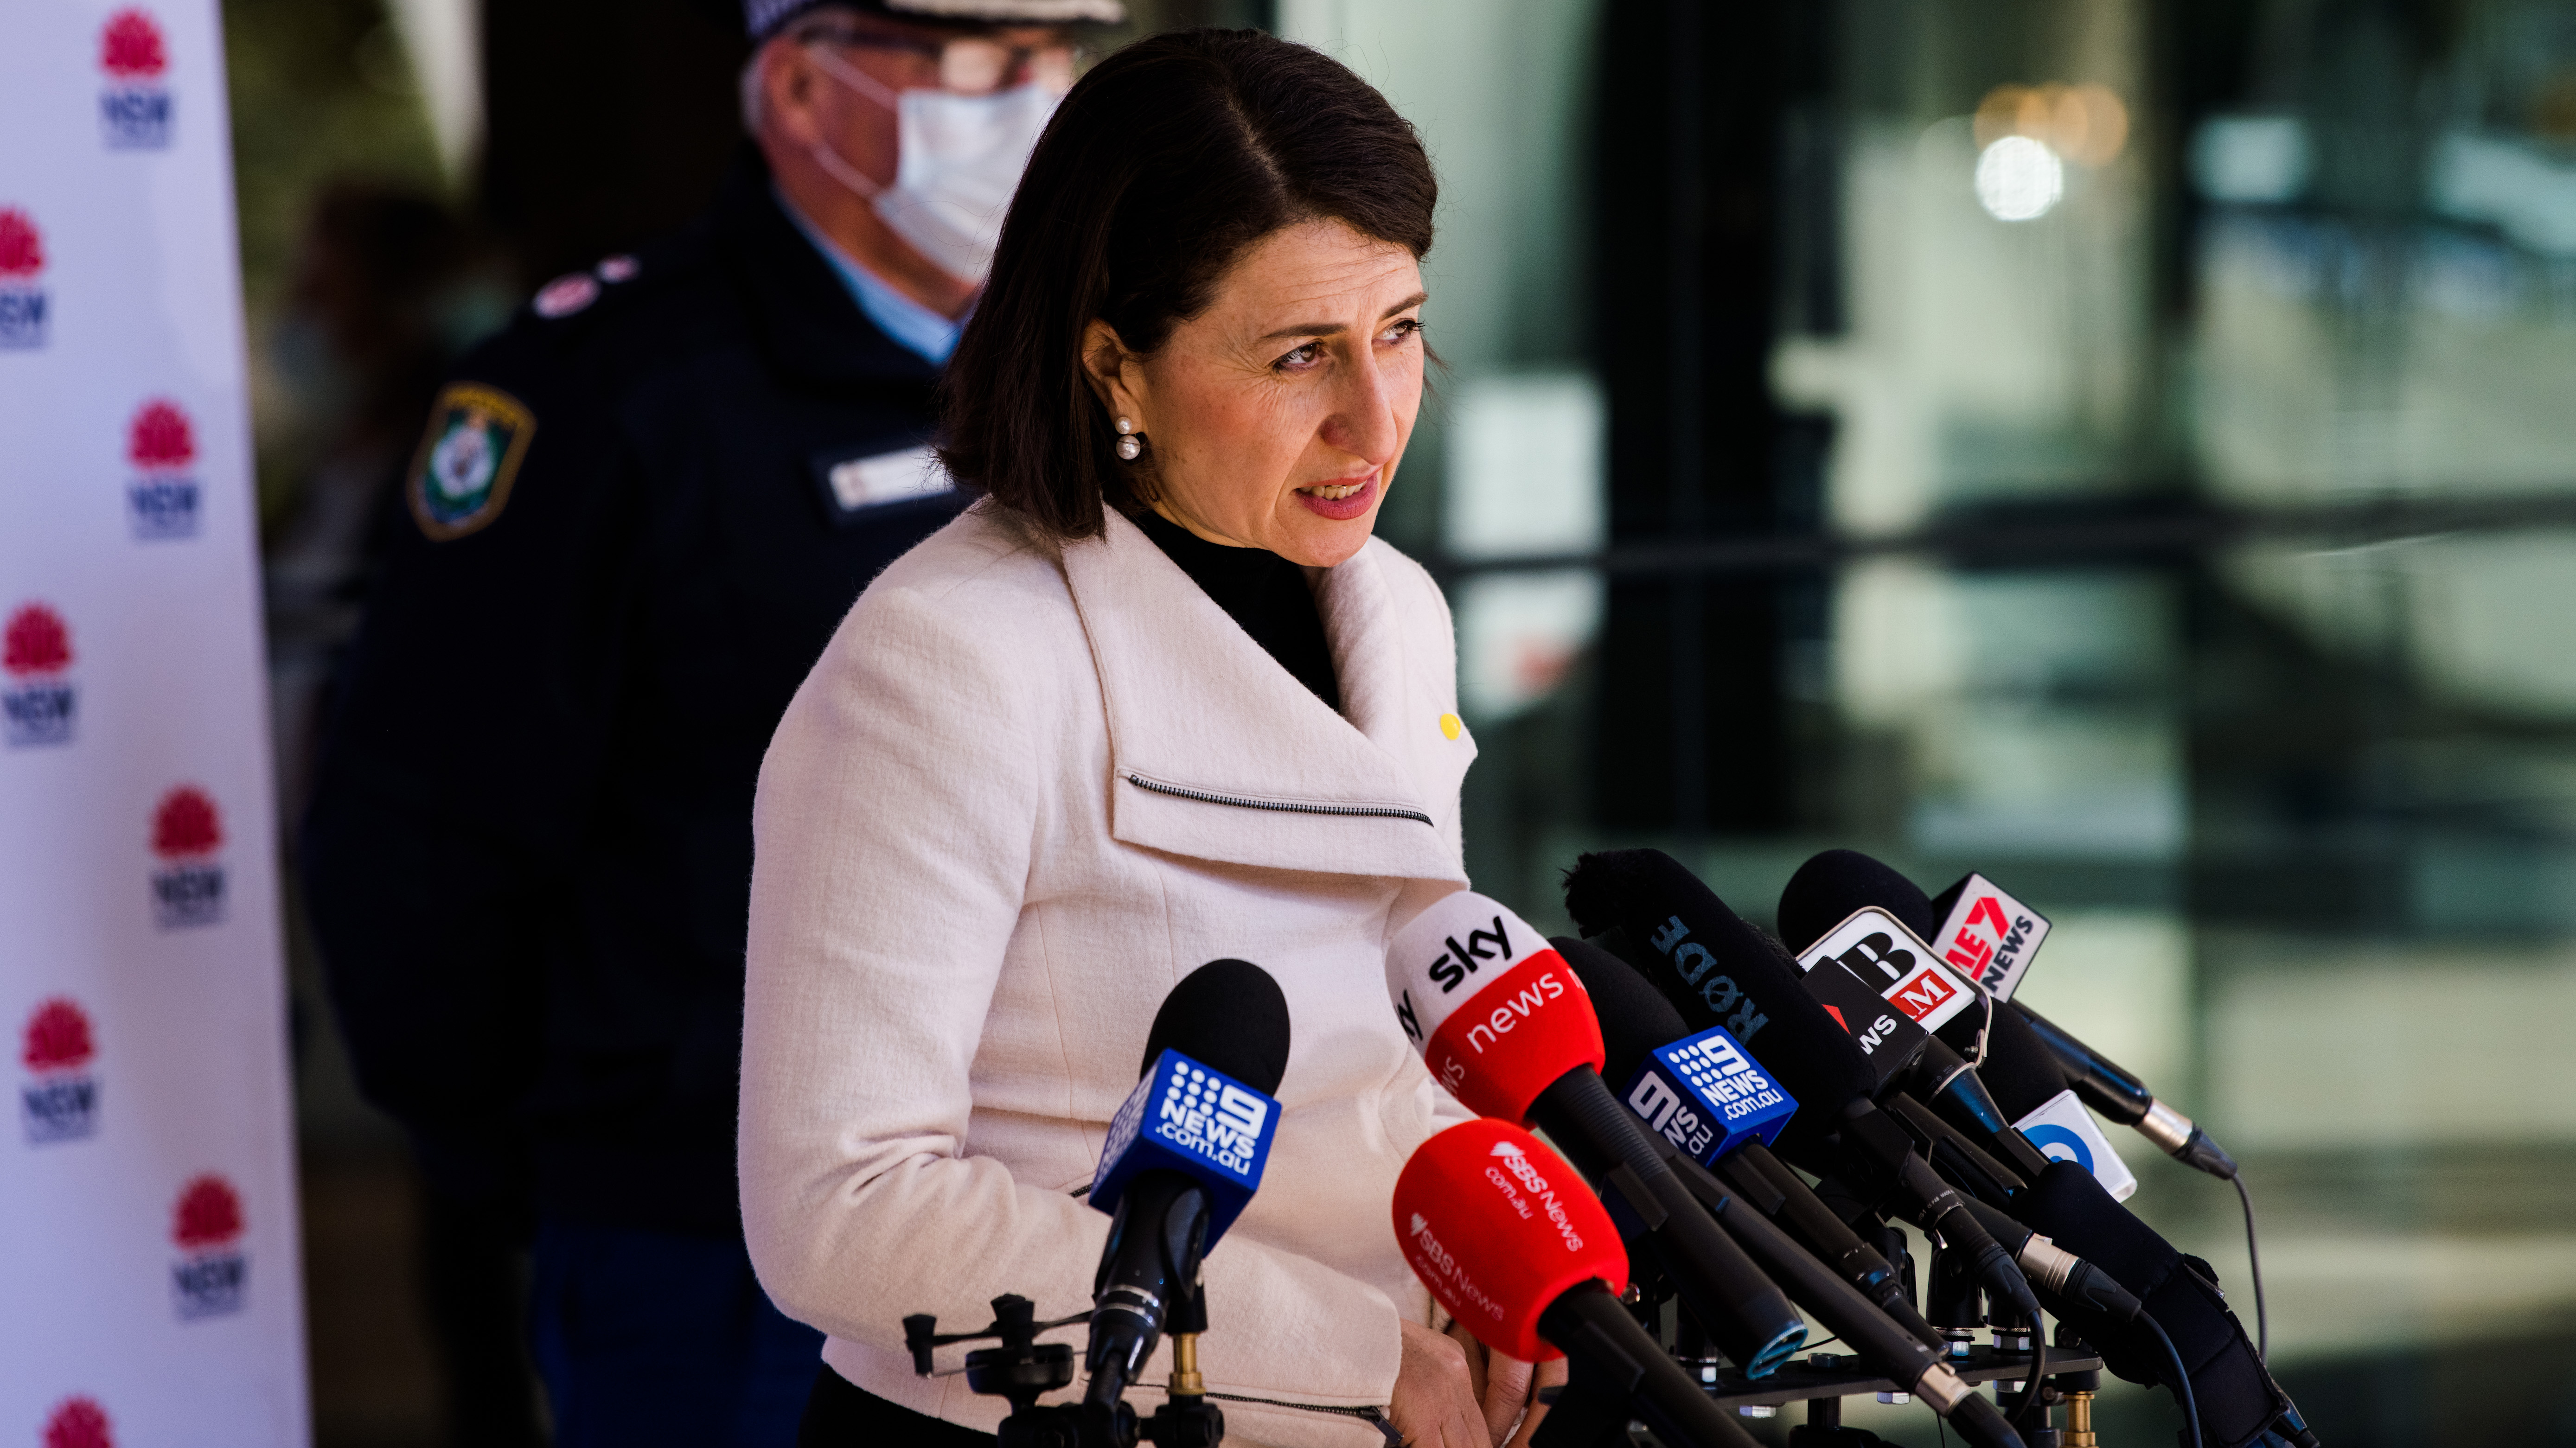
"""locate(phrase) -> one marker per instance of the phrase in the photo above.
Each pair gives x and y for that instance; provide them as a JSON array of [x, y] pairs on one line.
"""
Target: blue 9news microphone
[[1184, 1156]]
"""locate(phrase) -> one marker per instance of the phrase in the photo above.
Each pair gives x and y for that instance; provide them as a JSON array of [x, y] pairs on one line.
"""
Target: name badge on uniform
[[856, 487]]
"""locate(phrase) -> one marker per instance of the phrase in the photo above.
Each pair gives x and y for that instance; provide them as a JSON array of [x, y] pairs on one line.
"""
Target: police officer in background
[[635, 518]]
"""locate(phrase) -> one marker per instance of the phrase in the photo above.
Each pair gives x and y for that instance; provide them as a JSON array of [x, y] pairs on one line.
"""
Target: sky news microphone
[[1517, 1248], [1826, 1035], [1503, 1022], [2028, 1059], [1184, 1156]]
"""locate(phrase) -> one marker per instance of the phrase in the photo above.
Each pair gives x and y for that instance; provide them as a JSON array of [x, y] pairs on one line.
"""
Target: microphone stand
[[1023, 1369]]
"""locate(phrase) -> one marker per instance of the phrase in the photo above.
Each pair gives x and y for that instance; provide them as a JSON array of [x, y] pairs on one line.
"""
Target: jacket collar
[[805, 319], [1218, 753]]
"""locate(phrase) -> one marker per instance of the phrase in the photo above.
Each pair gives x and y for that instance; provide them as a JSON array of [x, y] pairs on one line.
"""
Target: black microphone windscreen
[[1834, 883], [1716, 970], [1228, 1014], [2019, 1070], [1635, 1018]]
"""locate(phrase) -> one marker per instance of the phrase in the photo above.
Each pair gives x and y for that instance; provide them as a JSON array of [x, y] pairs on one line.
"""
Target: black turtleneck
[[1263, 592]]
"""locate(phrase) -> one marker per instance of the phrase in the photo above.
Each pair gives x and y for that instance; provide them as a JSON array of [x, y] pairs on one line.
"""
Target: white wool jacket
[[1026, 789]]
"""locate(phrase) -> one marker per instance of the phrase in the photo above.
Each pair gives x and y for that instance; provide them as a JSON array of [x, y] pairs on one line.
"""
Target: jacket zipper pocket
[[1374, 1417], [1282, 806]]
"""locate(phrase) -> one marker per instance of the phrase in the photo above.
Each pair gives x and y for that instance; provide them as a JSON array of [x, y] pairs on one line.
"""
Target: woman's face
[[1275, 418]]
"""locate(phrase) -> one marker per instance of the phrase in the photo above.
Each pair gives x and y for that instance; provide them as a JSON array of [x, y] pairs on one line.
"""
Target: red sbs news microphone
[[1498, 1227], [1511, 1241], [1497, 1014]]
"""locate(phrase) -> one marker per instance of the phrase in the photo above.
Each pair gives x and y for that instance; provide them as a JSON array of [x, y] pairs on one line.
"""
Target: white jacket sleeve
[[897, 811]]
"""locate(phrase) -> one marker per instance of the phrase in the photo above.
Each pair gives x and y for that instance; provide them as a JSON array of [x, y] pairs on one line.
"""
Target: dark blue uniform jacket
[[529, 854]]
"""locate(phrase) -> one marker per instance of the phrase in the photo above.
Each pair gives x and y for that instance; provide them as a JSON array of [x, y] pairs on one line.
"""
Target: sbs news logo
[[134, 104], [188, 838], [23, 301], [206, 1225], [37, 700], [162, 499], [59, 1101]]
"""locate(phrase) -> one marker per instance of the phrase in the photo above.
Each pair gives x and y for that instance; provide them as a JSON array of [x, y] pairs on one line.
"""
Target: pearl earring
[[1130, 444]]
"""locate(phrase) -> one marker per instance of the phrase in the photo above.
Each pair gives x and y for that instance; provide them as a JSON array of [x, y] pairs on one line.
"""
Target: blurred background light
[[2019, 179]]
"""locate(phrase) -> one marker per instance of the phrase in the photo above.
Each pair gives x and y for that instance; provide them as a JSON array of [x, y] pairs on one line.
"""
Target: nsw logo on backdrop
[[37, 700], [134, 104], [23, 300], [78, 1422], [212, 1273], [2064, 1131], [59, 1101], [188, 839], [162, 497]]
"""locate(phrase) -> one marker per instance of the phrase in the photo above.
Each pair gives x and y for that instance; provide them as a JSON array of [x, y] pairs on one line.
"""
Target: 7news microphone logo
[[1989, 934]]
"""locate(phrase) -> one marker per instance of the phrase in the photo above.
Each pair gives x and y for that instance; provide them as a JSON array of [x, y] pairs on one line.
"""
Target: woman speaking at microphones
[[1157, 698]]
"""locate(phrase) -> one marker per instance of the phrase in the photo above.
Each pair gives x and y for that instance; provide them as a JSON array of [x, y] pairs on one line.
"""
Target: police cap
[[763, 18]]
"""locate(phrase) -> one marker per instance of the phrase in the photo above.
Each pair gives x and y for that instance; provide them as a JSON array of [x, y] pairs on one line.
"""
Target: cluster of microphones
[[1778, 1108]]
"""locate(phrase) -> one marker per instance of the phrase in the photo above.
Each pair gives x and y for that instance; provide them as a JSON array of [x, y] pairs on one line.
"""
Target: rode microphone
[[1184, 1156], [1513, 1244], [1717, 970], [1503, 1022], [2026, 1058]]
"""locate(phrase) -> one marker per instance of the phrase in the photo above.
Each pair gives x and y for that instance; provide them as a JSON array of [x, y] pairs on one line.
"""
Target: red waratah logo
[[187, 825], [78, 1423], [130, 47], [22, 247], [58, 1038], [36, 643], [208, 1217], [159, 436]]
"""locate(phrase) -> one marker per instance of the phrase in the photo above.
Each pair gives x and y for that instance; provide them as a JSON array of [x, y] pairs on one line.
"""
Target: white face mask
[[958, 159]]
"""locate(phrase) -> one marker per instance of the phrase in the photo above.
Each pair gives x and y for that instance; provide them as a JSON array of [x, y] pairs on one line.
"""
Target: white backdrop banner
[[149, 1291]]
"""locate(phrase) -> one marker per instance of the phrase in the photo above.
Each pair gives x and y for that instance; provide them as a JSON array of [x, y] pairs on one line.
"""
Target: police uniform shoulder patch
[[460, 480]]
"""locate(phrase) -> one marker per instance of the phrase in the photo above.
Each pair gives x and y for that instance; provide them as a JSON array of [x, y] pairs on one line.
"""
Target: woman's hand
[[1434, 1403], [1507, 1388]]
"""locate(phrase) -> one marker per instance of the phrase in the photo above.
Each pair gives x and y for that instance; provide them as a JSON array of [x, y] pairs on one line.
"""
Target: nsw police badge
[[461, 479]]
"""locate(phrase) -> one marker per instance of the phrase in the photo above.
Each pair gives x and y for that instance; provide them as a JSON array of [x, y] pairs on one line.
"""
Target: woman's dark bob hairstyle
[[1162, 166]]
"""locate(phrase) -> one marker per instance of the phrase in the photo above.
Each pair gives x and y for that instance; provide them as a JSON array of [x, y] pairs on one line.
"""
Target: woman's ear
[[1109, 368]]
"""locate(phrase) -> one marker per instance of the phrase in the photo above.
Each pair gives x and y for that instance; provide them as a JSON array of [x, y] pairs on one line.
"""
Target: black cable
[[2181, 1384], [2038, 1373], [2254, 1265]]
